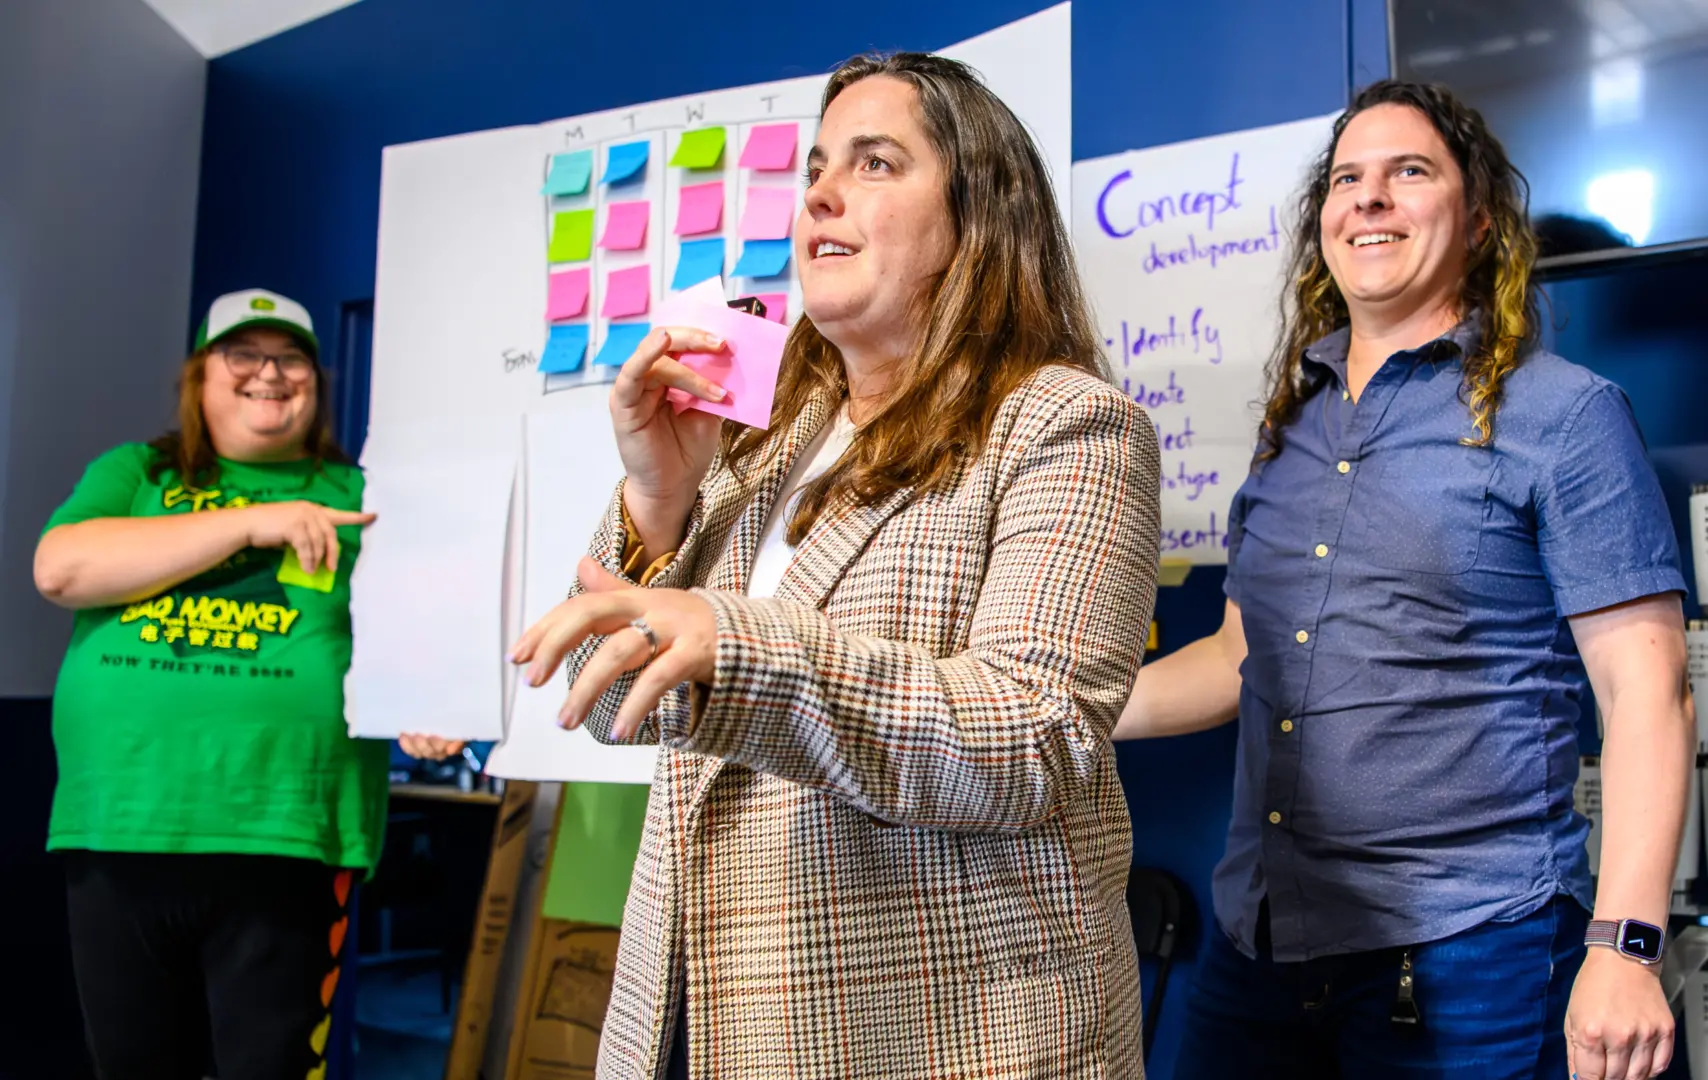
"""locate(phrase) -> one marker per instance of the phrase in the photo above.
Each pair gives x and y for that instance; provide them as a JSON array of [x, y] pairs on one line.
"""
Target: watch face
[[1640, 940]]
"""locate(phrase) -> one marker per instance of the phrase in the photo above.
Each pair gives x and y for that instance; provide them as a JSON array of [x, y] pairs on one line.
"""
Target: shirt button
[[1286, 726], [1301, 637], [1274, 817], [1344, 467], [1322, 550], [1344, 394]]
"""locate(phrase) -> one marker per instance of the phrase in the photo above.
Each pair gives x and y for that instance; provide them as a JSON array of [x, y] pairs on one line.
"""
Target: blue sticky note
[[699, 260], [762, 258], [621, 340], [564, 349], [569, 173], [623, 162]]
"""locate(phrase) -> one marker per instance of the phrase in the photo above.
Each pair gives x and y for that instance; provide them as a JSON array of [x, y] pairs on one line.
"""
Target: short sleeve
[[1236, 533], [1603, 529], [108, 488]]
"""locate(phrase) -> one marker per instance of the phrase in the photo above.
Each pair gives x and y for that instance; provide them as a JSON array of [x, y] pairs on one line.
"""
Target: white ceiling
[[219, 26]]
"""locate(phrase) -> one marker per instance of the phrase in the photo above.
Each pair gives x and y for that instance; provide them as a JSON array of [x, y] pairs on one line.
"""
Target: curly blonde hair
[[1497, 271]]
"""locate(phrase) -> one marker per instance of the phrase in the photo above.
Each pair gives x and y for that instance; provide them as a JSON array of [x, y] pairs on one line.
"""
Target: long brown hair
[[1008, 304], [1497, 271], [189, 451]]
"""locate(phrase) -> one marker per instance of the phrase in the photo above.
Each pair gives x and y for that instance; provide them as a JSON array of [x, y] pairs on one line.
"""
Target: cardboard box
[[495, 920], [568, 987]]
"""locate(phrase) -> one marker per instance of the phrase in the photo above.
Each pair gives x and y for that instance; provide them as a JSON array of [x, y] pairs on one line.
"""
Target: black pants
[[206, 965]]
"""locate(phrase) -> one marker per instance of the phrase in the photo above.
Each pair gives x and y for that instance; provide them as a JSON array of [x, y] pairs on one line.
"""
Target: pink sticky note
[[770, 146], [566, 293], [776, 306], [746, 369], [770, 211], [625, 226], [701, 208], [627, 292]]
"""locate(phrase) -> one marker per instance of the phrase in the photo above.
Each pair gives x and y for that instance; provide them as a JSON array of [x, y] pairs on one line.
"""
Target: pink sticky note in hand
[[625, 226], [769, 214], [770, 147], [747, 367], [776, 306], [566, 293], [701, 208], [627, 292]]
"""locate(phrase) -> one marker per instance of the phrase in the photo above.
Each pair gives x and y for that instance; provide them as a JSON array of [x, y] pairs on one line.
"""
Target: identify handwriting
[[518, 360], [1155, 211], [1199, 335]]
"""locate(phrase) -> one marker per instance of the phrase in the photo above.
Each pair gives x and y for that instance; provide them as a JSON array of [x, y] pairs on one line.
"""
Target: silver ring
[[650, 635]]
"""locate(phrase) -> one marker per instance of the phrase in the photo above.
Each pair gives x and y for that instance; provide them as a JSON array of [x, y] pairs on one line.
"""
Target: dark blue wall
[[295, 125]]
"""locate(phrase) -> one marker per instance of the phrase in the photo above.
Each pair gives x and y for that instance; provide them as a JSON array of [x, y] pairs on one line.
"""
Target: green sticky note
[[572, 236], [292, 573], [598, 836], [700, 149]]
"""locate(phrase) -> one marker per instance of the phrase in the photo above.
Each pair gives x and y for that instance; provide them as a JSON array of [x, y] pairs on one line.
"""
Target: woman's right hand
[[308, 527], [665, 453]]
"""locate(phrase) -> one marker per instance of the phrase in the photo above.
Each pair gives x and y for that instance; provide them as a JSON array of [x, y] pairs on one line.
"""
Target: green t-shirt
[[211, 717]]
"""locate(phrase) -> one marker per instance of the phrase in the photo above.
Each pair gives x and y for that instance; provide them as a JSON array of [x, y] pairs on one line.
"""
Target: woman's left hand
[[685, 628]]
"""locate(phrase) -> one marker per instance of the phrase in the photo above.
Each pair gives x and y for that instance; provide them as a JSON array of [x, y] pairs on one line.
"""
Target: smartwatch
[[1640, 941]]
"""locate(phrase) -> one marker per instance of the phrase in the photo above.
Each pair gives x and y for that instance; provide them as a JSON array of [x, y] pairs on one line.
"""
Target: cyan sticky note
[[762, 258], [621, 340], [624, 161], [697, 261], [701, 149], [776, 306], [625, 225], [566, 293], [564, 349], [292, 573], [627, 292], [770, 146], [569, 173], [769, 215], [572, 236], [700, 209]]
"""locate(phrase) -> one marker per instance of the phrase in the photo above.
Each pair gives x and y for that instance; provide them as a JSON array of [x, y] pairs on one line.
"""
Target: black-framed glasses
[[244, 362]]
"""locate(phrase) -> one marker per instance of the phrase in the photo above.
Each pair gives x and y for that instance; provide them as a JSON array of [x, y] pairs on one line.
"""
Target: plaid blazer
[[889, 839]]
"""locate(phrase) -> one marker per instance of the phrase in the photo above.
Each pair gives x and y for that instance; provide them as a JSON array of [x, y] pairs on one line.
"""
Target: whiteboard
[[1183, 251], [459, 329]]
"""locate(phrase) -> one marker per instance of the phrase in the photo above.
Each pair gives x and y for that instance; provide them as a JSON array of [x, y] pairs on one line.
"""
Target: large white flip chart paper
[[1183, 248]]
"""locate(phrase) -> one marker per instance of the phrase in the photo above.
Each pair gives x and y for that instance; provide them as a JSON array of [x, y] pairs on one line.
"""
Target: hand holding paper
[[747, 369]]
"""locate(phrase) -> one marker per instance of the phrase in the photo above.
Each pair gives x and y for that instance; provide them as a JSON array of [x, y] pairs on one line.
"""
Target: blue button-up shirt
[[1411, 690]]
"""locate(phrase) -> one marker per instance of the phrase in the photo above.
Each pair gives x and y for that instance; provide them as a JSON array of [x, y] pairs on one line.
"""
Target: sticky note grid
[[634, 218]]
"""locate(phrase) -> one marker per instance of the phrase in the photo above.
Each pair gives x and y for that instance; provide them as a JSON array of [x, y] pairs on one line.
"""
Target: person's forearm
[[1645, 782], [118, 560], [1192, 689]]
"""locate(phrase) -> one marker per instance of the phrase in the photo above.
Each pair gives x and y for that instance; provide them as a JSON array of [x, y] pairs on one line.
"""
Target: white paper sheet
[[425, 595], [572, 467]]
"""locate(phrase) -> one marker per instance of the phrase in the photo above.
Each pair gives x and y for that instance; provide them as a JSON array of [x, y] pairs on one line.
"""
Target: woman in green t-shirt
[[211, 805]]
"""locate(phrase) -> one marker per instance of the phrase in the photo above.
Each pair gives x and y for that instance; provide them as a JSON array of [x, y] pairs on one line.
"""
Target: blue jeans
[[1493, 1004]]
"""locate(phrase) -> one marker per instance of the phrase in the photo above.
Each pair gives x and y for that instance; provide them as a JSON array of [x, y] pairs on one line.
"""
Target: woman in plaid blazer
[[881, 645]]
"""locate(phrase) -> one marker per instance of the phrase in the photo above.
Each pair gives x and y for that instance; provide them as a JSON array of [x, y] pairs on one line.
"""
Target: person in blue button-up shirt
[[1448, 536]]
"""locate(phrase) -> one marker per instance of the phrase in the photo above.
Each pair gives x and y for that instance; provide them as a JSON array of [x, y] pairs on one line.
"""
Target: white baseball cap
[[256, 308]]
